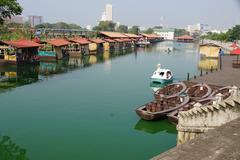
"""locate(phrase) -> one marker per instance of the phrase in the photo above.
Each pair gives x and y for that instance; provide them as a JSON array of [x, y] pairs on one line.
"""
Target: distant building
[[17, 19], [89, 27], [165, 33], [198, 28], [108, 13], [218, 31], [35, 20], [141, 28]]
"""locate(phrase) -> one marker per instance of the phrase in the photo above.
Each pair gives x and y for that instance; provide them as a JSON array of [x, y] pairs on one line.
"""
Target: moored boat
[[171, 90], [173, 116], [162, 75], [199, 91], [225, 91], [47, 55], [157, 110]]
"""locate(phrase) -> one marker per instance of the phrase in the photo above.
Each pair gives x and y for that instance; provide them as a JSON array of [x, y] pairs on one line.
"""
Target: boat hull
[[151, 116], [161, 81], [172, 117]]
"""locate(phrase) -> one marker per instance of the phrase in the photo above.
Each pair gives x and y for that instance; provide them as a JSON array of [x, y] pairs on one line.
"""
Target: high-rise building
[[35, 20], [198, 28], [108, 13]]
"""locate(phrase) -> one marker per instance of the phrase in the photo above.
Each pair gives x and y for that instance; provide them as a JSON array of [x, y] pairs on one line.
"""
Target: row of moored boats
[[176, 97]]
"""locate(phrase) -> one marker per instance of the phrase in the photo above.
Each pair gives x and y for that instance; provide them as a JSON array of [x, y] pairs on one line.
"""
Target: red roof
[[96, 40], [119, 40], [234, 45], [126, 40], [132, 35], [186, 37], [58, 42], [80, 40], [236, 51], [150, 36], [23, 44], [113, 34], [109, 40]]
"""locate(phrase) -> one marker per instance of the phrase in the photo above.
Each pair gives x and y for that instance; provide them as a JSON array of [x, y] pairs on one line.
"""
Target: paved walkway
[[222, 143], [227, 76]]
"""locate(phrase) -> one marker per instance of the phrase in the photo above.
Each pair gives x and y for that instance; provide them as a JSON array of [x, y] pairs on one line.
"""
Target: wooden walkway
[[227, 76]]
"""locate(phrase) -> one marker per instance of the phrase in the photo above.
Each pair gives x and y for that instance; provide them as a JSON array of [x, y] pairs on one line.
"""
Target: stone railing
[[203, 118]]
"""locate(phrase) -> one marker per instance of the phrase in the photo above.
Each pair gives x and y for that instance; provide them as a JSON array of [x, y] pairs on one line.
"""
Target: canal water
[[85, 108]]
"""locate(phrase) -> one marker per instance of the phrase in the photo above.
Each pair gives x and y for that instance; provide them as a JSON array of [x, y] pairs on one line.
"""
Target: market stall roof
[[114, 34], [129, 35], [210, 44], [185, 37], [80, 40], [236, 51], [119, 40], [109, 40], [58, 42], [96, 40], [234, 45], [150, 36], [23, 43]]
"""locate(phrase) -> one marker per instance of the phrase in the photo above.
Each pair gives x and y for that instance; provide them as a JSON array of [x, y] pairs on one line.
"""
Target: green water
[[85, 108]]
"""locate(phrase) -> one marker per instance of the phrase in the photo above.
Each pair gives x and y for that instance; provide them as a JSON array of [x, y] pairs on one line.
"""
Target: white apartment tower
[[108, 13], [35, 20]]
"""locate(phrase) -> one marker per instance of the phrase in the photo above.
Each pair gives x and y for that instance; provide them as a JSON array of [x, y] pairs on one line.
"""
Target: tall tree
[[181, 32], [122, 29], [149, 31], [107, 26], [234, 33], [9, 8], [134, 30]]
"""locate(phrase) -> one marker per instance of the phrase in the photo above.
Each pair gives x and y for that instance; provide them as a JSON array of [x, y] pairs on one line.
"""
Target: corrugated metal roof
[[22, 44], [131, 35], [109, 40], [96, 40], [79, 40], [58, 42], [187, 37], [151, 36], [113, 34]]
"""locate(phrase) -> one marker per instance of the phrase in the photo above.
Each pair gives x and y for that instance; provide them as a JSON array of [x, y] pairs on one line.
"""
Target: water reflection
[[157, 86], [13, 76], [154, 127], [11, 151], [208, 64]]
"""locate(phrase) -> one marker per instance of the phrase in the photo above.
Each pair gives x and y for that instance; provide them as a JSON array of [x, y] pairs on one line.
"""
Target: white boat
[[143, 43], [162, 75]]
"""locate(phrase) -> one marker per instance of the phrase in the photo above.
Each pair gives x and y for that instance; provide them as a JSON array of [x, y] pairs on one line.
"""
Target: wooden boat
[[225, 91], [159, 109], [47, 55], [171, 90], [199, 91], [173, 116]]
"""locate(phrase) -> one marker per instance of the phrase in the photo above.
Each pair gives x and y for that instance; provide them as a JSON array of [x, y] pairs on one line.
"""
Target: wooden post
[[220, 61], [188, 76]]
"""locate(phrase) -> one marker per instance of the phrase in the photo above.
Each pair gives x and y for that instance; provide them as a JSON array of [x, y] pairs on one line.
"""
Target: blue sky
[[175, 13]]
